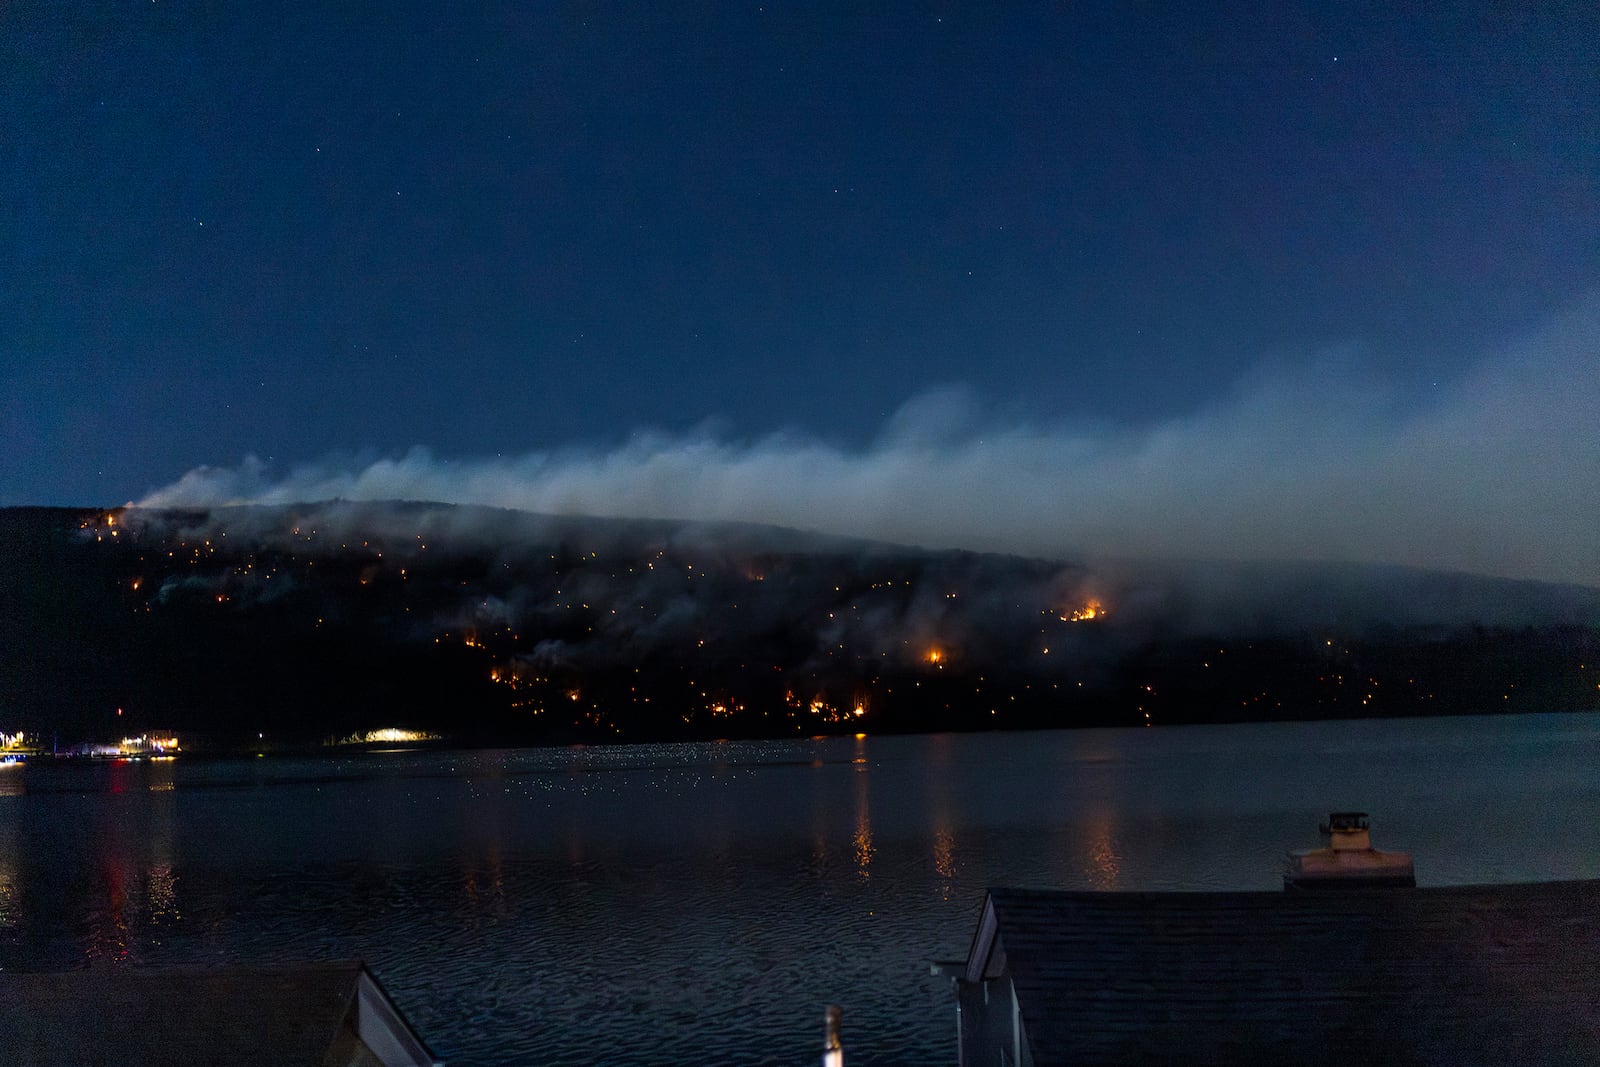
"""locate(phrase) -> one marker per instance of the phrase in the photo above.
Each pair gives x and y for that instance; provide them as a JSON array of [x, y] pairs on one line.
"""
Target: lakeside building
[[320, 1015], [1459, 975], [147, 745]]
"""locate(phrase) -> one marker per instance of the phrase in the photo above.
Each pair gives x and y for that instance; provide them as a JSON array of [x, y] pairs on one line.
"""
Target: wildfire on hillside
[[1091, 611], [102, 526]]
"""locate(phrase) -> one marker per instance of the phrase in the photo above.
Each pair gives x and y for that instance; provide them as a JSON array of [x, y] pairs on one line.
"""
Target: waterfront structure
[[147, 745], [1458, 975], [319, 1015], [1347, 860]]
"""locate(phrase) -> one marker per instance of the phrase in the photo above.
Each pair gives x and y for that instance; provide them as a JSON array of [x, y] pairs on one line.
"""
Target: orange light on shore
[[1088, 613], [935, 655]]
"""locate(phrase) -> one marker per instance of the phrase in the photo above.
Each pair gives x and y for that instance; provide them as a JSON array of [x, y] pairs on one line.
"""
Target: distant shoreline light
[[387, 735]]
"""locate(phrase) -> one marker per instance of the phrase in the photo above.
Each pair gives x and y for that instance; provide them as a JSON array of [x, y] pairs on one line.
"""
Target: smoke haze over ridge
[[1497, 472]]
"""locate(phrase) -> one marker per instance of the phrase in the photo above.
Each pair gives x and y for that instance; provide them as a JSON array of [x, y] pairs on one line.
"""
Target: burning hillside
[[337, 619]]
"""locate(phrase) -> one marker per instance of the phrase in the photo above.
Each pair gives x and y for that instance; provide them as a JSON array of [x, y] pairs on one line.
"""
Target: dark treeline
[[283, 627]]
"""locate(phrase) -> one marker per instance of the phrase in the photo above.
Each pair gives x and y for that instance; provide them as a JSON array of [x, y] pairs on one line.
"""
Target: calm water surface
[[702, 903]]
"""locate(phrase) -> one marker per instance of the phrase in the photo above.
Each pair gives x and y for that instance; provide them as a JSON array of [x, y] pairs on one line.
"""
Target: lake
[[703, 902]]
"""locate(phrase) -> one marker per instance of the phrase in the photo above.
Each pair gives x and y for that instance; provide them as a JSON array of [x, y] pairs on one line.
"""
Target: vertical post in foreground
[[832, 1050]]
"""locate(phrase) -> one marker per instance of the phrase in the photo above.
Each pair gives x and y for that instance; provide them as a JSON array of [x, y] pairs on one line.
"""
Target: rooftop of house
[[326, 1014], [1460, 975]]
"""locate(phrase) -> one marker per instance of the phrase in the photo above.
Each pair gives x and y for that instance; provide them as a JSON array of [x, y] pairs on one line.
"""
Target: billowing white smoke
[[1496, 473]]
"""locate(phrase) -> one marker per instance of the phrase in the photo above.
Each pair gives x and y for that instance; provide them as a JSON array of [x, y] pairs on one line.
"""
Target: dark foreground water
[[702, 903]]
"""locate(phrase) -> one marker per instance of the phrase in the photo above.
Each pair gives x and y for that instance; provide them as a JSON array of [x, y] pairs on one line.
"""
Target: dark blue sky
[[492, 228]]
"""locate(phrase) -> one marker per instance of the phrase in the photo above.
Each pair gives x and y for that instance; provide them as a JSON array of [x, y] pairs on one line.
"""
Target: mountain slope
[[289, 625]]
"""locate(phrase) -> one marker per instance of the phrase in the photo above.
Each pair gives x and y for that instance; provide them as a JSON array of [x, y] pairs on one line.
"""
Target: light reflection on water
[[1102, 862], [700, 903], [863, 806]]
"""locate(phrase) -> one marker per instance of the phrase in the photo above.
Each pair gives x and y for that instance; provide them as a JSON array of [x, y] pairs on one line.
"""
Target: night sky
[[506, 232]]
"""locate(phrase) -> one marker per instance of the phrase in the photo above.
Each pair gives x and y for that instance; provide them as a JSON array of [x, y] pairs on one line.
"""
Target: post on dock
[[832, 1050]]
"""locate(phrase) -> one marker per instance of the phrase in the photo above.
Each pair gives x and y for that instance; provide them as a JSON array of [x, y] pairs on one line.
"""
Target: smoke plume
[[1496, 473]]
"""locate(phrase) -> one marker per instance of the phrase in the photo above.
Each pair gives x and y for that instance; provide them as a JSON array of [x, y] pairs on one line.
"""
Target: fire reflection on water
[[161, 775], [161, 893], [1102, 860], [110, 938], [139, 906], [862, 840], [944, 857], [161, 879], [939, 785]]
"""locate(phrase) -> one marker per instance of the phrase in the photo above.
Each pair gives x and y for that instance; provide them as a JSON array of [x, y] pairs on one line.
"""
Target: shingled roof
[[328, 1015], [1465, 975]]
